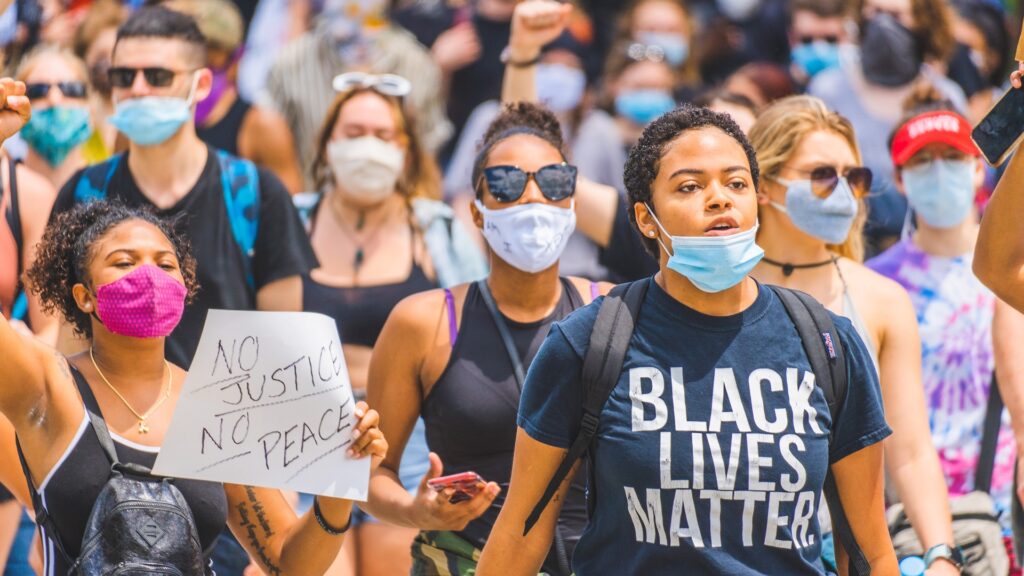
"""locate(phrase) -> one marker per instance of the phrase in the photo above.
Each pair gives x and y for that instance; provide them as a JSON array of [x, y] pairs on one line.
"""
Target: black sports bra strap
[[99, 425]]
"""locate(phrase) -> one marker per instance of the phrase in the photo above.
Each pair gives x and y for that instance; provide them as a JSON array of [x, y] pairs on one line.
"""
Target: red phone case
[[462, 482]]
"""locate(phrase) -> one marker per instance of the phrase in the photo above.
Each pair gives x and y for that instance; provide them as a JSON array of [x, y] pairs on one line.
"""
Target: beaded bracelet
[[323, 522]]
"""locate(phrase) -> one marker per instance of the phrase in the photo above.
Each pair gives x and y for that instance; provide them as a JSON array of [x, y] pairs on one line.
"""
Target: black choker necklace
[[788, 269]]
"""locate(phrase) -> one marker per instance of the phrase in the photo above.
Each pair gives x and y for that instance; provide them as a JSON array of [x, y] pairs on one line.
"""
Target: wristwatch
[[506, 58], [946, 552]]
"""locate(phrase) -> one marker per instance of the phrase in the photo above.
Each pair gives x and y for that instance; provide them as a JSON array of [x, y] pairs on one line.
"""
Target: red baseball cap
[[941, 126]]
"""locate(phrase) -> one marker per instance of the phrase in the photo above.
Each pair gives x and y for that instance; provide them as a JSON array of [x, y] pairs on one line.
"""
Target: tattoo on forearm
[[255, 541], [261, 513]]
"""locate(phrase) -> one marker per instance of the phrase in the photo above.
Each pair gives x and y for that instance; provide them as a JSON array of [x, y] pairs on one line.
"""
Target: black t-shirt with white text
[[282, 248]]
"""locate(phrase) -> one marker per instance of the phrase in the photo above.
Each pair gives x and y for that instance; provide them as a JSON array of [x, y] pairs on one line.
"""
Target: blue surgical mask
[[941, 191], [827, 219], [560, 87], [644, 106], [712, 263], [675, 46], [152, 120], [54, 132], [815, 57]]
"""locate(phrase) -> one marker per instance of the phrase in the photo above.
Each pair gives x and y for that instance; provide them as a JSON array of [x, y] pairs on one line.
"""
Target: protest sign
[[267, 402]]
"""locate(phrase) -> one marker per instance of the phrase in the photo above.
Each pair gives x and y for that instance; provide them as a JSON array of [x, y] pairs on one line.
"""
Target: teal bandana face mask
[[54, 132], [712, 263], [941, 191]]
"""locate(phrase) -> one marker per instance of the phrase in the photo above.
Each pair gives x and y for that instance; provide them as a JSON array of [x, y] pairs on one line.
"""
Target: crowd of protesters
[[684, 286]]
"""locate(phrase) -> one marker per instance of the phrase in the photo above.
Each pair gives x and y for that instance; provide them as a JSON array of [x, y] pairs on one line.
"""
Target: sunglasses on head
[[123, 77], [642, 52], [36, 90], [824, 180], [387, 84], [507, 183], [829, 38]]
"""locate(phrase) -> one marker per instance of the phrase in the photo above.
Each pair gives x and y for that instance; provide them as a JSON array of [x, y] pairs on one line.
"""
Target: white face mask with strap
[[530, 237]]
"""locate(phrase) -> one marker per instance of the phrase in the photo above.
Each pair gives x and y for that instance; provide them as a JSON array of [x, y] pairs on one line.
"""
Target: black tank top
[[470, 413], [73, 485], [224, 134], [361, 311]]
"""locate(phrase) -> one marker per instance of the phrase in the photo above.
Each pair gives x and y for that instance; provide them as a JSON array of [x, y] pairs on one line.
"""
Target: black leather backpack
[[139, 525]]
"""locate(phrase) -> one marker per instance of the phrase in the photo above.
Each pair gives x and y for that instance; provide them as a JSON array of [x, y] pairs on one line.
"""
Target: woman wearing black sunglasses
[[458, 357], [811, 216], [61, 137]]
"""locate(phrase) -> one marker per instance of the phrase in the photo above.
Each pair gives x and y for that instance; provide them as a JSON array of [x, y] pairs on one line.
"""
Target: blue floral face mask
[[54, 132], [941, 191], [712, 263]]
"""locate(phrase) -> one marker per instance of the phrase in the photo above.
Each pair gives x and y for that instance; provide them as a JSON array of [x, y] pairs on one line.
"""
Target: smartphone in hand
[[1001, 130], [466, 485]]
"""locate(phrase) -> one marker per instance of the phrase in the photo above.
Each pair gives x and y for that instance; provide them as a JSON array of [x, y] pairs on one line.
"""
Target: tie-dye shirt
[[954, 313]]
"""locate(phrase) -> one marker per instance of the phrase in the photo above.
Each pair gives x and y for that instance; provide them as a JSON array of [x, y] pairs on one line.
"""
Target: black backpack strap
[[828, 362], [989, 438], [602, 365]]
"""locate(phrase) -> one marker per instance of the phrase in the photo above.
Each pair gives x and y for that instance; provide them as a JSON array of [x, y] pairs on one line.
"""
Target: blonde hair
[[777, 134], [29, 62]]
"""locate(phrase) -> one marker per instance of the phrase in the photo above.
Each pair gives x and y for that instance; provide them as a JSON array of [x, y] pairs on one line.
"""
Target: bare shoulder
[[265, 120], [419, 313], [883, 301], [36, 193]]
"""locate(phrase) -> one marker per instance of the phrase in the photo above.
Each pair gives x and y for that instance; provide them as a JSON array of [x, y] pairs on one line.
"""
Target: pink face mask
[[146, 303]]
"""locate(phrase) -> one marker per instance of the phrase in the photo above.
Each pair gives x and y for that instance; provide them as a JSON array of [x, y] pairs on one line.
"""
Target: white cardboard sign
[[267, 402]]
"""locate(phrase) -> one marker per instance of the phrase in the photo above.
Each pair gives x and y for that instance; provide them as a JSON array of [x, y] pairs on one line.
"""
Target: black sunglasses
[[507, 183], [37, 90], [830, 38], [122, 77]]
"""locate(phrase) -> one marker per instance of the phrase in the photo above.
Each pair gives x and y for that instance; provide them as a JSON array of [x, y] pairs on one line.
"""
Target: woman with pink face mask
[[121, 278]]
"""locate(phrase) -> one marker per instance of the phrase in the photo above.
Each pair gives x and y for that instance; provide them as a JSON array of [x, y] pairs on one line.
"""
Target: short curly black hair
[[64, 253], [645, 158], [515, 119]]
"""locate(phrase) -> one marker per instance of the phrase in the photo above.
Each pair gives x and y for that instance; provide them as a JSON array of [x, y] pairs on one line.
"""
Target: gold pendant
[[143, 429]]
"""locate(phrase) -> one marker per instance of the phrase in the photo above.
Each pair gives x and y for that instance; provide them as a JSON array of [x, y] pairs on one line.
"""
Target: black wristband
[[506, 58], [323, 522]]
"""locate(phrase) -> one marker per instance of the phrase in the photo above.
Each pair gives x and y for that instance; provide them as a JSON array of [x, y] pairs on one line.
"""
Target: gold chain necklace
[[143, 427]]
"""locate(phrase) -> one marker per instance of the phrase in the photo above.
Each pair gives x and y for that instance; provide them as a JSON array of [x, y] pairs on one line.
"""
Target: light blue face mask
[[644, 106], [827, 219], [560, 87], [152, 120], [941, 191], [815, 57], [675, 46], [712, 263]]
